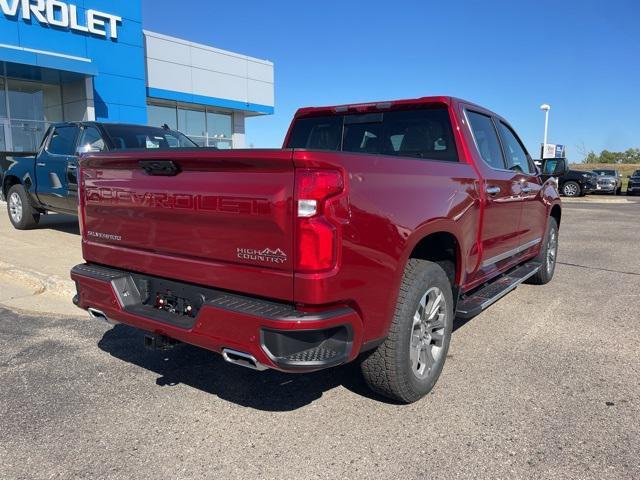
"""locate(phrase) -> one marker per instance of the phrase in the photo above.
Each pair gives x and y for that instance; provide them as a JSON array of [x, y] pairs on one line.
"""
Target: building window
[[206, 127], [193, 124], [3, 99], [35, 101], [28, 108], [219, 129], [160, 115], [3, 115]]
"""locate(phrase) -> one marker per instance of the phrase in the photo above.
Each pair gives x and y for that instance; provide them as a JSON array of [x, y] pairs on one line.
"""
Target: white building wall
[[194, 69], [77, 101]]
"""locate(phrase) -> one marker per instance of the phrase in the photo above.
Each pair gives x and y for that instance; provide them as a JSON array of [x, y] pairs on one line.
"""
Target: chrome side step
[[472, 304]]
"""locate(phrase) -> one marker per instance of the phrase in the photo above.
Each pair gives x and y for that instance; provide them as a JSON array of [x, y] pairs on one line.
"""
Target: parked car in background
[[634, 183], [609, 181], [576, 183], [366, 234], [47, 181]]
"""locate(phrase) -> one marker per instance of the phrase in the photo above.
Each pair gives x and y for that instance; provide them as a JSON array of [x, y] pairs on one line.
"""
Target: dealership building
[[93, 60]]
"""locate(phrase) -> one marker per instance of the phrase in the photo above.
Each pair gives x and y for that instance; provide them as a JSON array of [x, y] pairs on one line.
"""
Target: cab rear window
[[126, 137], [424, 133]]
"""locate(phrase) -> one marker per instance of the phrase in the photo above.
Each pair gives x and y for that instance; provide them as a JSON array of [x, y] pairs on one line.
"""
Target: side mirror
[[555, 167]]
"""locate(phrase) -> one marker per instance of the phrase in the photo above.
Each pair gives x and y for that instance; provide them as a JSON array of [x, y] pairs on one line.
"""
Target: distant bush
[[632, 155]]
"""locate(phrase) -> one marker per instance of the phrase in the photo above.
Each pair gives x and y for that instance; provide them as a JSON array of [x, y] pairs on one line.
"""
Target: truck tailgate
[[217, 218]]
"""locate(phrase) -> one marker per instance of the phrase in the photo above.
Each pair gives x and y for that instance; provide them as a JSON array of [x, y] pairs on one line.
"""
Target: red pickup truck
[[362, 238]]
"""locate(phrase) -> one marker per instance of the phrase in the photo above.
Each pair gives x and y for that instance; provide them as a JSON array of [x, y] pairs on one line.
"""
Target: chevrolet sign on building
[[63, 15], [92, 60]]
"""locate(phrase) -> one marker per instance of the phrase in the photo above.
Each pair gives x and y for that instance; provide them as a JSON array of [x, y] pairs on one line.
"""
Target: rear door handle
[[41, 164], [493, 190]]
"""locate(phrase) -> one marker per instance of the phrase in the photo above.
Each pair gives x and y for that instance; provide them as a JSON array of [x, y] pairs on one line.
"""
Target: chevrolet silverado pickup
[[361, 239], [47, 180]]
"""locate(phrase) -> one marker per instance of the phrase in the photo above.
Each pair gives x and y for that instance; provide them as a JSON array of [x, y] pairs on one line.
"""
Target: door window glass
[[63, 141], [91, 141], [486, 138], [517, 159]]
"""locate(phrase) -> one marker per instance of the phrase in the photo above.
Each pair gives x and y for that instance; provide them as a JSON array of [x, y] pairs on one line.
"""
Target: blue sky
[[582, 57]]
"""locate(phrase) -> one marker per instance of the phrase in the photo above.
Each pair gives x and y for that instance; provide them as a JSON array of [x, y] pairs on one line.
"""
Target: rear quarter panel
[[393, 203], [20, 167]]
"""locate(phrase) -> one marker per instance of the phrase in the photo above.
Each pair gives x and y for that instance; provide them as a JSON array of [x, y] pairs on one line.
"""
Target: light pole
[[545, 108]]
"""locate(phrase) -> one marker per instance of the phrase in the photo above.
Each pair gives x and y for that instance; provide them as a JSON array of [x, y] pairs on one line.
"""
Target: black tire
[[389, 370], [571, 189], [548, 267], [619, 190], [21, 213]]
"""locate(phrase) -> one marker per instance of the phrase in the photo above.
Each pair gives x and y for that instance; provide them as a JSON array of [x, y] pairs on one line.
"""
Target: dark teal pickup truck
[[46, 181]]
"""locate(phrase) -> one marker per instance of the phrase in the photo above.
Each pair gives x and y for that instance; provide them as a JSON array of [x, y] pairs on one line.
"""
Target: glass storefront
[[26, 110], [159, 116], [3, 116], [206, 127]]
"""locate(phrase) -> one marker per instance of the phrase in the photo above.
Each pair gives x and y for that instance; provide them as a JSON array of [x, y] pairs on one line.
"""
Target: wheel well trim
[[7, 182], [555, 211], [435, 228]]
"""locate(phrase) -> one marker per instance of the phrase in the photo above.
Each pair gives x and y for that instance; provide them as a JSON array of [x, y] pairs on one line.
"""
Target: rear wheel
[[571, 189], [547, 256], [21, 213], [409, 362]]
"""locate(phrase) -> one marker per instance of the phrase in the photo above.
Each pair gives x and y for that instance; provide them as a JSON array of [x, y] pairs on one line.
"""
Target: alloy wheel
[[571, 190], [15, 207], [427, 336], [552, 250]]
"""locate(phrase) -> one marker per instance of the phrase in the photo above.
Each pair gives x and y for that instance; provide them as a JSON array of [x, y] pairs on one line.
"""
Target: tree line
[[631, 155]]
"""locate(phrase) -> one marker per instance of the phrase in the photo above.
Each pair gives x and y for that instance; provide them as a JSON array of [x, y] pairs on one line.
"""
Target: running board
[[472, 304]]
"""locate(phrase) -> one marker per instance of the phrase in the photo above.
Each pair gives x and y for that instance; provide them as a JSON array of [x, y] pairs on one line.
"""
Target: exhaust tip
[[96, 314], [242, 359]]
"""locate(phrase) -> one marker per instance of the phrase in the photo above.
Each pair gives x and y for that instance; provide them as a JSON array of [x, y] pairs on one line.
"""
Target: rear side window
[[424, 133], [91, 141], [63, 141], [486, 138]]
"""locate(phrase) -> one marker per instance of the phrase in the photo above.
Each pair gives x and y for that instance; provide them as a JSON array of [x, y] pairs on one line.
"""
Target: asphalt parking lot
[[545, 384]]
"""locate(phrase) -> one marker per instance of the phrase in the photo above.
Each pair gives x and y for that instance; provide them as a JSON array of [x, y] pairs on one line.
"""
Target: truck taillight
[[317, 229]]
